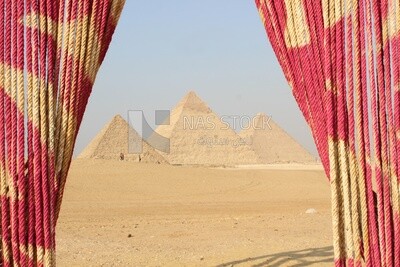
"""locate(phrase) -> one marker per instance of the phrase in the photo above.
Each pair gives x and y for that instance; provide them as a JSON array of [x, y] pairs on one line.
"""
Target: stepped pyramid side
[[113, 140], [90, 150], [274, 145], [197, 136]]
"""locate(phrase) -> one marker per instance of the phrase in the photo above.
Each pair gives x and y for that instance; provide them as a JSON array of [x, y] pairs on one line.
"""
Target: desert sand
[[120, 213]]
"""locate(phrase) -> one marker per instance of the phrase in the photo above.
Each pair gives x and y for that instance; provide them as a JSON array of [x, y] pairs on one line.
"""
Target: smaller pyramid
[[272, 144], [113, 140]]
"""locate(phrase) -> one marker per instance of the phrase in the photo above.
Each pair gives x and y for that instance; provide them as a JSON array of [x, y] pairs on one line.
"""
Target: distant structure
[[272, 144], [199, 137], [111, 143]]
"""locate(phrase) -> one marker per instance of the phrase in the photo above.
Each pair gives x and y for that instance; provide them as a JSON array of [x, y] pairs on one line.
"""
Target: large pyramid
[[272, 144], [113, 140], [197, 136]]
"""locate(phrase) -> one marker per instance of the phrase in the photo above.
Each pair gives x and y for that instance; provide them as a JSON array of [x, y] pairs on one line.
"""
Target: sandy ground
[[127, 214]]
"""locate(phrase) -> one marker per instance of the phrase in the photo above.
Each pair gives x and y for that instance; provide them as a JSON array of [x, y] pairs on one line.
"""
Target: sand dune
[[128, 214]]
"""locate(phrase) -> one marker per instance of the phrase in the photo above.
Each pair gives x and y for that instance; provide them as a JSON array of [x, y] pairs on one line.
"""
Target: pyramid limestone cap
[[260, 119]]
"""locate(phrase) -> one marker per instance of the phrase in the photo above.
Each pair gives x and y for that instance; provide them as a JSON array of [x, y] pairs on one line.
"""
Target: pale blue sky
[[163, 49]]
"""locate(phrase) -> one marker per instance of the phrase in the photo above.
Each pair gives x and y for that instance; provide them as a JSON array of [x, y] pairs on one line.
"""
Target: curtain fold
[[50, 53], [341, 59]]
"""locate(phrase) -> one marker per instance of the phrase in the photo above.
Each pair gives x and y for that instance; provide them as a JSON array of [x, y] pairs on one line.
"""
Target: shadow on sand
[[297, 258]]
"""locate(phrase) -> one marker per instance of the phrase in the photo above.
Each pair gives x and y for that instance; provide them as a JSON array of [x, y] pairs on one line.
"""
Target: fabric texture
[[341, 59], [50, 52]]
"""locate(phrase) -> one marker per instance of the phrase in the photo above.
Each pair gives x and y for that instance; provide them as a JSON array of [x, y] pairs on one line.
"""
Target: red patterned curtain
[[341, 59], [50, 52]]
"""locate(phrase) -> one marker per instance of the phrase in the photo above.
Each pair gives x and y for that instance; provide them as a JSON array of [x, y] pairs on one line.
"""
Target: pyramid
[[272, 144], [198, 137], [113, 140]]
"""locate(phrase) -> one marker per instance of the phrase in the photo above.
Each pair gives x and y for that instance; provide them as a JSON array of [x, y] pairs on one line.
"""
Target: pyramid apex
[[192, 101], [117, 117], [261, 114], [191, 92], [262, 118], [191, 95]]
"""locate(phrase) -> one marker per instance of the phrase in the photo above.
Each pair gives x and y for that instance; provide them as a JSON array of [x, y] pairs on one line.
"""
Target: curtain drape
[[50, 52], [341, 59]]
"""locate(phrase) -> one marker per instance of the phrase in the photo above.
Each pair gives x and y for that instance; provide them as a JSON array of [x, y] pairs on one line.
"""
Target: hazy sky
[[163, 49]]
